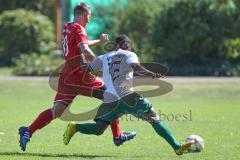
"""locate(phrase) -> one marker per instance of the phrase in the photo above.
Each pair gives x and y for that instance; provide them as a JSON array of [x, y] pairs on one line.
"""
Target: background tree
[[45, 7], [191, 34], [26, 32]]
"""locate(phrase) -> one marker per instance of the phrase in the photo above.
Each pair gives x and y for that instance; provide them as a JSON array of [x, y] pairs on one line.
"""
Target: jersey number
[[65, 45], [115, 65]]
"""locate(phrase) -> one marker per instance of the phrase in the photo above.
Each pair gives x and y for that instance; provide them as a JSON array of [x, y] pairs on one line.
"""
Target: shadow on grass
[[54, 155]]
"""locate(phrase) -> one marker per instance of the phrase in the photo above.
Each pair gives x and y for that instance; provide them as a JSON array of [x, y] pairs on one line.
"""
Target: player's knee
[[101, 127], [100, 131], [58, 109], [152, 116]]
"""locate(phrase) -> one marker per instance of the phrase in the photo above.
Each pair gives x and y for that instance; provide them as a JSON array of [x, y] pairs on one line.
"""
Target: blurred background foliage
[[45, 7], [190, 37], [23, 32], [34, 64]]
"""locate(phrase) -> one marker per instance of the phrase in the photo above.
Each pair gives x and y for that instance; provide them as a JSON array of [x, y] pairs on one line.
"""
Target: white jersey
[[117, 73]]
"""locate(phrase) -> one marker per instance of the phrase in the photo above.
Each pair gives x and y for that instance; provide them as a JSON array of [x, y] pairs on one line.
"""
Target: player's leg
[[97, 128], [107, 113], [43, 119], [159, 126], [142, 108], [98, 93], [47, 116], [162, 130], [118, 137]]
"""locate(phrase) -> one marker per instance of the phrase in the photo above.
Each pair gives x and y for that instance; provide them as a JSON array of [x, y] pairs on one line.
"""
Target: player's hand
[[104, 37]]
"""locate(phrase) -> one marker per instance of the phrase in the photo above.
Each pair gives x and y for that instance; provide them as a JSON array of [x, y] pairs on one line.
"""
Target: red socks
[[115, 128], [42, 120]]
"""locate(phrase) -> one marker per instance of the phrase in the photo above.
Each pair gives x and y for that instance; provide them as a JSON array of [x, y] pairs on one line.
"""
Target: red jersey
[[72, 80], [73, 35]]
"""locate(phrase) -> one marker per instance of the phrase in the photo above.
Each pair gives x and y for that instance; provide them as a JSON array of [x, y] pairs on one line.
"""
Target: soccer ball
[[198, 145]]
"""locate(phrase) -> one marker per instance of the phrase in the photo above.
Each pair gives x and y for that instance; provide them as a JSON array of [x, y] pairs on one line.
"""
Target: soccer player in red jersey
[[73, 80]]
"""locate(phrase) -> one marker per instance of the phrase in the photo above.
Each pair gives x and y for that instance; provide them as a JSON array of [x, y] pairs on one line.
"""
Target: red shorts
[[76, 83]]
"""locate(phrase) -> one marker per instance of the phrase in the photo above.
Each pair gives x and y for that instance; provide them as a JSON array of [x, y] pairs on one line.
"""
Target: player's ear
[[79, 16], [116, 47], [84, 14]]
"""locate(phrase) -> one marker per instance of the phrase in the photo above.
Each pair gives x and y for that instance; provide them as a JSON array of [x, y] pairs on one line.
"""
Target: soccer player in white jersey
[[117, 68]]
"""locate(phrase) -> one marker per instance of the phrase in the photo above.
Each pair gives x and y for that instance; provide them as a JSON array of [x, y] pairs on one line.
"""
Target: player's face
[[88, 17], [127, 45], [83, 19]]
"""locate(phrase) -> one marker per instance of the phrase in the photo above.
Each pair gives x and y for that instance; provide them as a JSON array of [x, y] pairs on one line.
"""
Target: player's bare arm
[[87, 68], [87, 54], [103, 38], [143, 72]]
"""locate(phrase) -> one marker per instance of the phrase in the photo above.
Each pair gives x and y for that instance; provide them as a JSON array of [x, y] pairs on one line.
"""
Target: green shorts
[[133, 104]]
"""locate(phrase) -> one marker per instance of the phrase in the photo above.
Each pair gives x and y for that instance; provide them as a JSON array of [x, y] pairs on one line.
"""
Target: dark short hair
[[123, 41], [81, 8]]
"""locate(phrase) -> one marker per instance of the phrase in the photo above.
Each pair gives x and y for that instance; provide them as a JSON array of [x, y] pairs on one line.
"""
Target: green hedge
[[198, 37], [33, 64], [233, 48], [212, 68], [193, 31], [24, 31], [190, 37], [45, 7]]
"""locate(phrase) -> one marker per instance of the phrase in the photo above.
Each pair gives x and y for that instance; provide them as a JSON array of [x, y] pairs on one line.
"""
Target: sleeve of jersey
[[132, 58], [96, 65], [81, 37]]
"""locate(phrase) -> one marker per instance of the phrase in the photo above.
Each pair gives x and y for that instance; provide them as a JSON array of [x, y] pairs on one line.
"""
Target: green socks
[[159, 127], [88, 128], [166, 133]]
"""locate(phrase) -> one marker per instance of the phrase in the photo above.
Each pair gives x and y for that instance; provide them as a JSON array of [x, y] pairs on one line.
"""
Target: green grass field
[[6, 71], [215, 109]]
